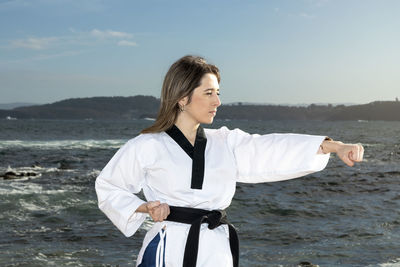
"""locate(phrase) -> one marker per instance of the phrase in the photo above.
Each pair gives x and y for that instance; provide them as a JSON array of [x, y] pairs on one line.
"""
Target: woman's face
[[205, 100]]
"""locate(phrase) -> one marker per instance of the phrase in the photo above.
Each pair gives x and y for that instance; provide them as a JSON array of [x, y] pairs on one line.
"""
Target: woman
[[188, 174]]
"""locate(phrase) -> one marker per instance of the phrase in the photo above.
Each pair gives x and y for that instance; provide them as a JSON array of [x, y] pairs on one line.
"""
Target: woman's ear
[[183, 101]]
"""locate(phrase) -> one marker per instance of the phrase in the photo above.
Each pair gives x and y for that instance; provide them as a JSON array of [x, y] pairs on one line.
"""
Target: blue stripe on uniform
[[149, 256]]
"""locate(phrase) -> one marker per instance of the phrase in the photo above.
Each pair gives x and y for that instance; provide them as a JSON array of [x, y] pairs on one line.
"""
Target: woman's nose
[[217, 101]]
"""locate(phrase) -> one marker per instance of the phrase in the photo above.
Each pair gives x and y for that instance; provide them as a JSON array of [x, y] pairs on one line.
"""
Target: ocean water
[[341, 216]]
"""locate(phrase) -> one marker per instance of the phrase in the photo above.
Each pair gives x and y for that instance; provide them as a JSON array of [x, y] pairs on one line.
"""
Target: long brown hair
[[180, 81]]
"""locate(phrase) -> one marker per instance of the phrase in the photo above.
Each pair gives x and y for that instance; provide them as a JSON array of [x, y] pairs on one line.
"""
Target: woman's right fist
[[158, 212]]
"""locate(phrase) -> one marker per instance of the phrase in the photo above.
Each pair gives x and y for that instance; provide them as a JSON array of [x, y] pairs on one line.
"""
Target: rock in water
[[16, 175], [307, 264]]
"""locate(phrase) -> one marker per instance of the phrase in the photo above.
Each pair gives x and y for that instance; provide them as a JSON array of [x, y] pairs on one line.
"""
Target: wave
[[63, 144], [21, 188], [392, 263]]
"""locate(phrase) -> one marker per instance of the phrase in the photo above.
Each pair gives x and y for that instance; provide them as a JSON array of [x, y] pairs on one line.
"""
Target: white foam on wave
[[17, 187], [42, 229], [31, 206], [46, 206], [63, 144], [94, 173], [147, 224], [22, 188], [66, 259], [392, 263]]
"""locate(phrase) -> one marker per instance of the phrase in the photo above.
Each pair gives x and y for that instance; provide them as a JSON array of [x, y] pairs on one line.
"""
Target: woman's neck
[[188, 128]]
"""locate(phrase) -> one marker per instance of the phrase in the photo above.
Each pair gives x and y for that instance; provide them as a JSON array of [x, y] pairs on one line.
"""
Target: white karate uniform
[[156, 164]]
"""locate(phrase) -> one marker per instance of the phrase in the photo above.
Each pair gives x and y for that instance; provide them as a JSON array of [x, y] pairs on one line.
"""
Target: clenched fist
[[158, 212], [348, 153]]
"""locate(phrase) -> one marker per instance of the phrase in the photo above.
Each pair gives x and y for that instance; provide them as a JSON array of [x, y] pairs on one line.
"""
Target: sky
[[279, 52]]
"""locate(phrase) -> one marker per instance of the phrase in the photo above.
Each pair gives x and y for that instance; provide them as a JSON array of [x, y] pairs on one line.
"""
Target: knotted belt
[[196, 217]]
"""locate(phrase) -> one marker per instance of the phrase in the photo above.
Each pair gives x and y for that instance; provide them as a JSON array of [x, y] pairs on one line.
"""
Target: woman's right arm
[[117, 185]]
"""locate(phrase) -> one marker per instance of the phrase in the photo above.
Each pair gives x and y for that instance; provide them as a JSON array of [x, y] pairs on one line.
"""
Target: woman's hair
[[180, 81]]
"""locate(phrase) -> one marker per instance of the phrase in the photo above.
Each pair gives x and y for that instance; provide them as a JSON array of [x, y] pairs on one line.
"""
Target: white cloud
[[110, 34], [34, 43], [126, 43], [30, 59], [75, 38], [307, 16], [57, 55]]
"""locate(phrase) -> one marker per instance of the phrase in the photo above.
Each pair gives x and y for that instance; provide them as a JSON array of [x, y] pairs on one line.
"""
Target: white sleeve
[[275, 157], [116, 185]]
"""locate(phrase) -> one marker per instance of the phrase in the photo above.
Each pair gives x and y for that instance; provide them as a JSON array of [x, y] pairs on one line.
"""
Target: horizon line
[[228, 103]]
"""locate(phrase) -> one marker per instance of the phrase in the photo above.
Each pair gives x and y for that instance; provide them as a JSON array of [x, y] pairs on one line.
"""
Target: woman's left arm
[[348, 153]]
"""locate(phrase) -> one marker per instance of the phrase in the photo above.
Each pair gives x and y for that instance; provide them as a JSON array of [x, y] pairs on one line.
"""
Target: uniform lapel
[[195, 152], [198, 159]]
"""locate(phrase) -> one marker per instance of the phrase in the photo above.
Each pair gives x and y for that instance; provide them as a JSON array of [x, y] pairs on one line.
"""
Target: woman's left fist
[[350, 153]]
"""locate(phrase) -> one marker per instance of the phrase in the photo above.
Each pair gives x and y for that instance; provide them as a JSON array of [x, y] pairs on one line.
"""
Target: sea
[[341, 216]]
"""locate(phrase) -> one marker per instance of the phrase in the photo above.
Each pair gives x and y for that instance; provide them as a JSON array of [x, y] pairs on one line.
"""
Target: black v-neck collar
[[195, 152]]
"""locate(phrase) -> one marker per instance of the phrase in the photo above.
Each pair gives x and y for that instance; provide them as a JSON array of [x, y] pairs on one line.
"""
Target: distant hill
[[15, 105], [136, 107], [90, 108], [378, 110]]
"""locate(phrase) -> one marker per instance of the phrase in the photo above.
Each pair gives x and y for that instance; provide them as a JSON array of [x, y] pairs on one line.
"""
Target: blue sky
[[281, 52]]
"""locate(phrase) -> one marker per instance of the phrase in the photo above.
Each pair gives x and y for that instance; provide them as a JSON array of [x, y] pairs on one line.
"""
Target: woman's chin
[[208, 121]]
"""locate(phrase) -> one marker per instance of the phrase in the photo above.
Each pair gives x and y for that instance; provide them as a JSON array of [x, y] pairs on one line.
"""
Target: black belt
[[196, 217]]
